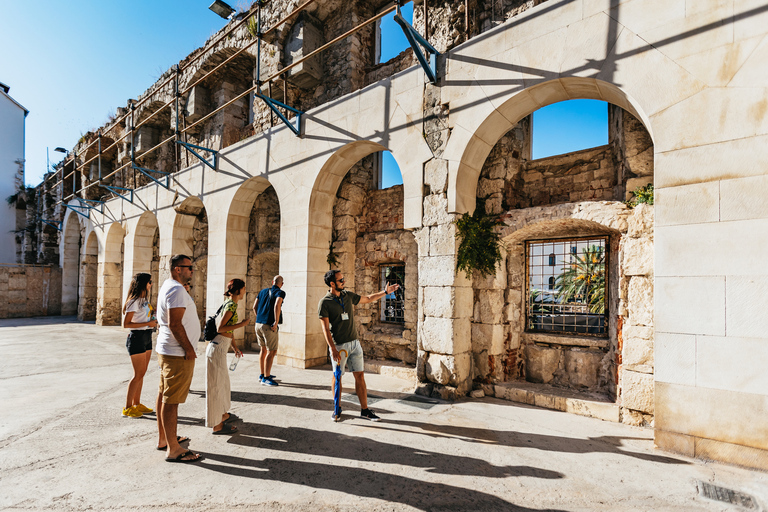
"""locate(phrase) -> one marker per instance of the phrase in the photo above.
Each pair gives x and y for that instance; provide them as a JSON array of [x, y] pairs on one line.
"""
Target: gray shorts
[[351, 357]]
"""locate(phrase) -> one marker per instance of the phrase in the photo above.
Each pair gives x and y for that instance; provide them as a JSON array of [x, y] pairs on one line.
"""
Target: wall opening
[[390, 40], [569, 126]]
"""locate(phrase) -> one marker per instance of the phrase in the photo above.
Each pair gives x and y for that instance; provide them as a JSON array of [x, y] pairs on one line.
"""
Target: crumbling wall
[[574, 195], [200, 262], [263, 250], [29, 291], [368, 233]]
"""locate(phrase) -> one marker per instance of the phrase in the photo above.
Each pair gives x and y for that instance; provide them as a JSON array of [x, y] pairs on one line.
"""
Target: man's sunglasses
[[340, 280], [184, 266]]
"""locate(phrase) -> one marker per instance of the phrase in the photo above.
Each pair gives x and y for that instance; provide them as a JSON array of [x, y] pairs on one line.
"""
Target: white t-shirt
[[141, 313], [173, 295]]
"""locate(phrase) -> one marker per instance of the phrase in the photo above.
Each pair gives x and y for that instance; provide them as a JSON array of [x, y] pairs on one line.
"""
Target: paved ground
[[65, 446]]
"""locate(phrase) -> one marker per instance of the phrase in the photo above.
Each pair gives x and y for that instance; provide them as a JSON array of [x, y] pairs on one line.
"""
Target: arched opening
[[146, 251], [89, 262], [372, 249], [530, 323], [253, 241], [190, 237], [70, 265], [110, 290]]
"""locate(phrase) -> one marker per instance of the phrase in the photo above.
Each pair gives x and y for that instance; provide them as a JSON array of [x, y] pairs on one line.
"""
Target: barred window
[[393, 304], [569, 297]]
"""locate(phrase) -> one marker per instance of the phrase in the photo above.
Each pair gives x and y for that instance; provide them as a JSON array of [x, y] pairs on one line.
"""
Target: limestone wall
[[30, 291]]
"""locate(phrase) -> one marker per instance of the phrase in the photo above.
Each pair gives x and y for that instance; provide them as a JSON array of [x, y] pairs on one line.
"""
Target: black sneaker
[[368, 414], [336, 417]]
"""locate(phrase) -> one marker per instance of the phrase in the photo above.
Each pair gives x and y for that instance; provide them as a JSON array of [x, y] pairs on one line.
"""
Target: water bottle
[[234, 362]]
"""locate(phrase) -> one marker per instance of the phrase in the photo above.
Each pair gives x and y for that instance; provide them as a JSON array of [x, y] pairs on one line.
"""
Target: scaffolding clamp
[[53, 223], [117, 191], [428, 62], [146, 172], [191, 148], [295, 124]]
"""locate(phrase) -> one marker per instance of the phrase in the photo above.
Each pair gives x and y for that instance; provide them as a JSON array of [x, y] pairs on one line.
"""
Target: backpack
[[211, 331]]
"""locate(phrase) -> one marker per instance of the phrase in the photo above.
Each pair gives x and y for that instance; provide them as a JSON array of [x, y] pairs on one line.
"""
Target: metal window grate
[[568, 297], [393, 305]]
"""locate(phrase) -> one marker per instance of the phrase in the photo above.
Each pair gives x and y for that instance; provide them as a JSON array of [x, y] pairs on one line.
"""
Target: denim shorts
[[351, 357], [139, 341]]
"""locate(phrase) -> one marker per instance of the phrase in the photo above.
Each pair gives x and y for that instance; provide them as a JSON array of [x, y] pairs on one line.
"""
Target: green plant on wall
[[641, 195], [333, 257], [479, 246]]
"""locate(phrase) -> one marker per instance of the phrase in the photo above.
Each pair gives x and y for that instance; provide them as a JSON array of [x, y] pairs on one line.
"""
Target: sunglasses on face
[[340, 280], [184, 266]]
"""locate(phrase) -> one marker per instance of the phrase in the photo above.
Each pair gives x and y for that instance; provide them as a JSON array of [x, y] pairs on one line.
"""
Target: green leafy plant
[[480, 245], [253, 26], [333, 257], [641, 195], [583, 279]]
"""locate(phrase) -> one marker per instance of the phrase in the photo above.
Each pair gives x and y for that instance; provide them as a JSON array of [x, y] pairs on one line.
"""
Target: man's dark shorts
[[139, 341]]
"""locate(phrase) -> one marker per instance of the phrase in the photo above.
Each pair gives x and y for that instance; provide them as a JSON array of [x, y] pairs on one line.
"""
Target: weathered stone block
[[638, 345], [438, 368], [488, 338], [582, 368], [640, 223], [444, 335], [489, 306], [437, 271], [442, 240], [17, 281], [637, 391], [541, 363], [637, 257], [436, 175], [436, 210], [640, 301]]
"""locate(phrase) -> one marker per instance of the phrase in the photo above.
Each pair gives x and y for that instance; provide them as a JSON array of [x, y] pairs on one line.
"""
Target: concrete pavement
[[65, 446]]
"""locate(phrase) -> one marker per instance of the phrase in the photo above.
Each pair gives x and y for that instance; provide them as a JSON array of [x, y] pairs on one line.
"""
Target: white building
[[12, 118]]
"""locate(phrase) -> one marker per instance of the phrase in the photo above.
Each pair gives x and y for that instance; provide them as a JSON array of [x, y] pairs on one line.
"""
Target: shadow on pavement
[[331, 444], [360, 482]]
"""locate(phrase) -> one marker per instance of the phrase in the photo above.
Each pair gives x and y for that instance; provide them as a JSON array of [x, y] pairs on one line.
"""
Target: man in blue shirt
[[268, 308]]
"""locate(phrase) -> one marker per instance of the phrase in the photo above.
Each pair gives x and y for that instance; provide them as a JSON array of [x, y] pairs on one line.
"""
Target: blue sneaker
[[336, 417], [268, 382], [261, 377]]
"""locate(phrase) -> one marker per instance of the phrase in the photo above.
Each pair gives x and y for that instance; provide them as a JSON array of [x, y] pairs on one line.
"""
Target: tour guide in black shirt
[[337, 317]]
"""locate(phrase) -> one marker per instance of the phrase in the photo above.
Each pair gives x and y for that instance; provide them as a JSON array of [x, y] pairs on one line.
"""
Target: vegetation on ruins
[[583, 279], [333, 257], [480, 245], [641, 195]]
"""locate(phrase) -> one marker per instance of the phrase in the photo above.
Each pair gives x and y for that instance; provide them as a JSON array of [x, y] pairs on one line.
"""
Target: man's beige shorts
[[266, 337], [175, 378]]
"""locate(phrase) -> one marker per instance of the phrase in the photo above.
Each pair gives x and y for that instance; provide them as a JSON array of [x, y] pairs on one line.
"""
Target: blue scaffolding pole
[[428, 62]]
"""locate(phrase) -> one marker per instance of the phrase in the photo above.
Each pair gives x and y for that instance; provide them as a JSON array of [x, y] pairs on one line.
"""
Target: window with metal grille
[[569, 297], [393, 304]]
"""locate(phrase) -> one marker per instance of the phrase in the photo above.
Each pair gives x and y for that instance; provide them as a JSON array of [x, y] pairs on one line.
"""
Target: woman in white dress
[[217, 389], [140, 320]]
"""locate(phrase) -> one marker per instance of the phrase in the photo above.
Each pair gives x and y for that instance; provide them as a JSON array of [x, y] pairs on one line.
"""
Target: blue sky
[[71, 64]]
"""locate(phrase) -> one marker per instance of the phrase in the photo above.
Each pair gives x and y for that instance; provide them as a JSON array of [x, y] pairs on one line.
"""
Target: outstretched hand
[[392, 288]]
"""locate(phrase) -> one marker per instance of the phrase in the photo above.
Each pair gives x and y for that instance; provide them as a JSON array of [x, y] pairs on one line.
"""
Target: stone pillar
[[445, 297]]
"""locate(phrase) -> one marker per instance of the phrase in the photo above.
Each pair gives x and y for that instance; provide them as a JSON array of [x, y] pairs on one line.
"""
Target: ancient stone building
[[674, 335]]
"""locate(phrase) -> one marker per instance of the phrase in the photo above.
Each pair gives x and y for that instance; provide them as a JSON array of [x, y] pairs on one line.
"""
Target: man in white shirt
[[178, 333]]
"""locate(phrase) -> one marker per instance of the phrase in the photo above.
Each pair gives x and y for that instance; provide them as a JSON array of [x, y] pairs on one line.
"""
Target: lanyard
[[339, 303]]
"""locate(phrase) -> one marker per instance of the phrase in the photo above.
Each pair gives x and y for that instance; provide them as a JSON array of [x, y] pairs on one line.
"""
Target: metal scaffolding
[[428, 63]]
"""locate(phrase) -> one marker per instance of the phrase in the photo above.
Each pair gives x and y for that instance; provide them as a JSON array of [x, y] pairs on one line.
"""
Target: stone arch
[[368, 235], [70, 264], [146, 256], [470, 150], [89, 261], [110, 289], [190, 237], [253, 241]]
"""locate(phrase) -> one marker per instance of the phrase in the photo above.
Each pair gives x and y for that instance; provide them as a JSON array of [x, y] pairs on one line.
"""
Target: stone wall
[[368, 233], [30, 291], [569, 196], [263, 251]]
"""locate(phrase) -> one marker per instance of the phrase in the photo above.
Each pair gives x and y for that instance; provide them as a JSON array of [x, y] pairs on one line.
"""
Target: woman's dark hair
[[330, 277], [138, 288], [233, 287]]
